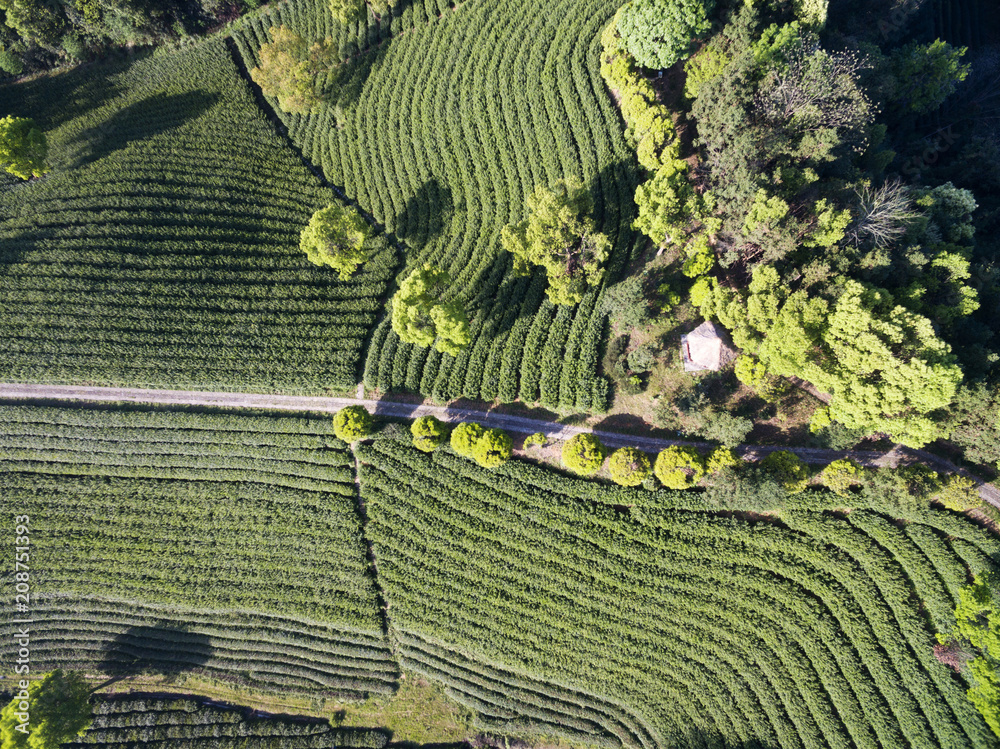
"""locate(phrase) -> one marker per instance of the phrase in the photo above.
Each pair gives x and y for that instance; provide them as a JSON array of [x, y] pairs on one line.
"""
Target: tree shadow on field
[[425, 214], [139, 121], [163, 649]]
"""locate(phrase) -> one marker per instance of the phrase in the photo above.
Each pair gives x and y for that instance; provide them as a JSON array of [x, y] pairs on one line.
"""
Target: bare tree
[[883, 213]]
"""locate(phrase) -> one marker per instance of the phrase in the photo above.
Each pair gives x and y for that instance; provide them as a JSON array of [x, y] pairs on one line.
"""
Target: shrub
[[788, 469], [841, 475], [583, 454], [642, 359], [493, 448], [428, 433], [465, 437], [958, 493], [23, 147], [353, 423], [10, 63], [721, 457], [679, 467], [536, 439], [629, 466]]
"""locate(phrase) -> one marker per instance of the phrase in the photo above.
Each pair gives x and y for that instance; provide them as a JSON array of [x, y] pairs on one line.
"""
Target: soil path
[[483, 415]]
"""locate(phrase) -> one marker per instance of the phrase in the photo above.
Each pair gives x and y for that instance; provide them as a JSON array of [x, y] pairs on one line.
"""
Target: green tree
[[658, 33], [56, 709], [336, 237], [428, 433], [289, 68], [840, 475], [493, 448], [679, 467], [629, 466], [721, 458], [353, 423], [958, 493], [583, 454], [23, 147], [926, 74], [973, 422], [465, 437], [34, 20], [977, 621], [559, 236], [788, 469], [10, 62], [347, 11], [420, 315]]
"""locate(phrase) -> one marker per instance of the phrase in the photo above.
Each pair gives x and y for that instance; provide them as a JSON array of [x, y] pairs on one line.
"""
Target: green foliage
[[721, 458], [977, 621], [348, 11], [559, 236], [752, 373], [10, 62], [642, 358], [668, 206], [201, 286], [465, 437], [658, 33], [536, 439], [421, 316], [705, 66], [626, 303], [958, 493], [289, 67], [429, 433], [924, 75], [840, 475], [353, 423], [629, 466], [59, 712], [788, 469], [493, 448], [23, 147], [812, 12], [336, 237], [583, 454], [679, 467], [973, 423]]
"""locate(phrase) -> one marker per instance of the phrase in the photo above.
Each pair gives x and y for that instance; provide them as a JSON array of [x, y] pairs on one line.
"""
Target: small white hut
[[706, 347]]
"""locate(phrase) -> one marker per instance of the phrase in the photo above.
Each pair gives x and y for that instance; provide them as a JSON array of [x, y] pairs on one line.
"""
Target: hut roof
[[706, 347]]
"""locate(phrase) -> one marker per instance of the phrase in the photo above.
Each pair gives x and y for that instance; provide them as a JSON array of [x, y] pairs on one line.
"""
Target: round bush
[[428, 433], [629, 466], [841, 475], [583, 454], [679, 467], [537, 438], [788, 469], [465, 437], [353, 423], [493, 448]]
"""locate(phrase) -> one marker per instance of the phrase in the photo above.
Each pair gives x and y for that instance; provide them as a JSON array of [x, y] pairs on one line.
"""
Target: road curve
[[518, 424]]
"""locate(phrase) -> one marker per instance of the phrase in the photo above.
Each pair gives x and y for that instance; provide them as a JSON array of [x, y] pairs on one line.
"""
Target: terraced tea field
[[224, 544], [550, 608], [163, 248], [441, 129]]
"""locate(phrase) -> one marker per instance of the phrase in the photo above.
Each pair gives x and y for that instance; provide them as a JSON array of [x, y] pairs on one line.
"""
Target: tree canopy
[[422, 317], [658, 33], [629, 466], [353, 423], [289, 68], [559, 236], [429, 433], [336, 237], [58, 710], [583, 454], [23, 147]]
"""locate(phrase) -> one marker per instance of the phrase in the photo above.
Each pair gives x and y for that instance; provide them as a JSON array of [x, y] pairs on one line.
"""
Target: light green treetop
[[59, 711], [559, 236], [420, 316], [23, 147], [336, 237]]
